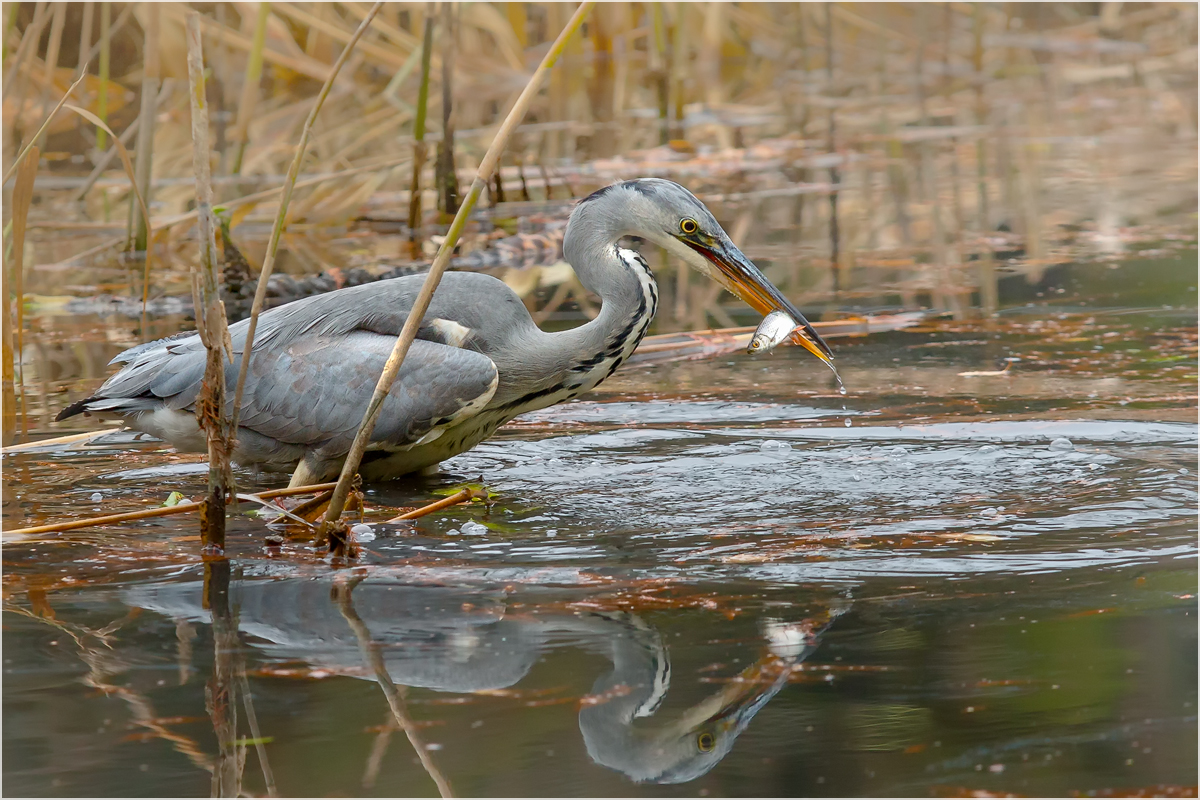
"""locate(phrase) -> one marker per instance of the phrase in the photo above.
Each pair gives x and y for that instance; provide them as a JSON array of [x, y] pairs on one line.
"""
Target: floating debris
[[987, 373]]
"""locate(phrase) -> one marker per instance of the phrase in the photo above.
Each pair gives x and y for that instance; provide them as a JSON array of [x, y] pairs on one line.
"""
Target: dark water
[[699, 580]]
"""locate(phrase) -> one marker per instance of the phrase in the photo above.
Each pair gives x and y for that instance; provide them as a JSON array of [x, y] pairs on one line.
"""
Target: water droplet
[[988, 448], [1183, 471], [847, 422], [856, 476], [550, 534], [363, 532], [1062, 444], [97, 497], [474, 529], [841, 388]]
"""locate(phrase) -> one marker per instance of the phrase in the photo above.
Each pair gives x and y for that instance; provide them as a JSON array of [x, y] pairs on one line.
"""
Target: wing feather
[[317, 394], [329, 350]]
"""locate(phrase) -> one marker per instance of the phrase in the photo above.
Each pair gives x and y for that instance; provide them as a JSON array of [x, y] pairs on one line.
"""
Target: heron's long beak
[[739, 275], [736, 703]]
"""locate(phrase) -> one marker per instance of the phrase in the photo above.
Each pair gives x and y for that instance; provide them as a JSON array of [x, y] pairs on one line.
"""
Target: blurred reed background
[[868, 156]]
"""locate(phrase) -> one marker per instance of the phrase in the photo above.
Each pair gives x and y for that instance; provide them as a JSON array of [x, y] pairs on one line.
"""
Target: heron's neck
[[628, 295]]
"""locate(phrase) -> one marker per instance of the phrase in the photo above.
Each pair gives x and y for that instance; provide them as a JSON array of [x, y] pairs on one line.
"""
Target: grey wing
[[168, 372], [315, 390]]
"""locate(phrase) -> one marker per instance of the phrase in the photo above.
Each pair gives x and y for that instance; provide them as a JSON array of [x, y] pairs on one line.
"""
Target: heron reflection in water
[[428, 640], [479, 359]]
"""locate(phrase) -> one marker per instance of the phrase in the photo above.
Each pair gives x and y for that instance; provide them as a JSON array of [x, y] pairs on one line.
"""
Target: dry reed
[[420, 151], [22, 198], [211, 323], [137, 193]]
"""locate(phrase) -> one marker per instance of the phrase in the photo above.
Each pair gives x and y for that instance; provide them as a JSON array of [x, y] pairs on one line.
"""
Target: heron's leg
[[305, 475]]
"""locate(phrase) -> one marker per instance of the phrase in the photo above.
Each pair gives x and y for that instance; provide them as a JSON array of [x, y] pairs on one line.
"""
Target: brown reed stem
[[211, 323], [85, 36], [249, 199], [45, 124], [678, 58], [289, 184], [105, 62], [250, 87], [145, 147], [137, 193], [52, 49], [420, 151], [458, 497], [28, 45], [114, 29], [107, 519], [10, 21], [294, 490], [22, 198], [988, 290], [75, 437], [267, 194], [421, 304], [446, 176], [128, 135], [834, 174]]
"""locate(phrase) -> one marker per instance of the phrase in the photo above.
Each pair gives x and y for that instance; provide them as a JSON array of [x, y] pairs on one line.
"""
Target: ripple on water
[[669, 412], [948, 498]]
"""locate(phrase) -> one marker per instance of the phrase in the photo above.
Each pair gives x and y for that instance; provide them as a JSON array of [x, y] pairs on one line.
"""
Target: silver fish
[[775, 328]]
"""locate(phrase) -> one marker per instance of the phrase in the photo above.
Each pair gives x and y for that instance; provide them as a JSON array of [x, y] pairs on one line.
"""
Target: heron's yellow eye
[[688, 226], [705, 741]]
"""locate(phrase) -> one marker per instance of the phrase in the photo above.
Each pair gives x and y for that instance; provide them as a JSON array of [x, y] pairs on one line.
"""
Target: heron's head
[[687, 744], [670, 216]]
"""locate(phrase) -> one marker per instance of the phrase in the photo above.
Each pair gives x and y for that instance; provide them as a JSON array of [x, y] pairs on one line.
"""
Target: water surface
[[714, 577]]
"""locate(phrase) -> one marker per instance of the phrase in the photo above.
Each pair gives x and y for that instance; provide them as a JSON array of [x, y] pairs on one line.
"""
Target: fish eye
[[705, 741], [688, 226]]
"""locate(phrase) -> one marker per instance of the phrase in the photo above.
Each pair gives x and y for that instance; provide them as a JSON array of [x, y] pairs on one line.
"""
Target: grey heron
[[468, 640], [479, 359]]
